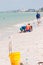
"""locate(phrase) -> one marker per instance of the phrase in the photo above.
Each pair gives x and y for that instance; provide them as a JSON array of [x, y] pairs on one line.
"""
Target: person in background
[[38, 17]]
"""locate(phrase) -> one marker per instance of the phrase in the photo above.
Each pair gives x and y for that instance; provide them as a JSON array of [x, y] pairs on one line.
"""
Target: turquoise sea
[[12, 18]]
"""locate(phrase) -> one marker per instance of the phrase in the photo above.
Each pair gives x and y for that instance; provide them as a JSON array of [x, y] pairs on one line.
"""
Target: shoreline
[[14, 29]]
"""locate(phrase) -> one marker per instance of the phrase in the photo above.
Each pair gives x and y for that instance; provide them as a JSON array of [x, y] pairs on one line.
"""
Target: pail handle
[[10, 46]]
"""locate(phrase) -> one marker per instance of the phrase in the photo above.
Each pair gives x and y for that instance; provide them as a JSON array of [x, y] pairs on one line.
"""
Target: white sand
[[30, 44]]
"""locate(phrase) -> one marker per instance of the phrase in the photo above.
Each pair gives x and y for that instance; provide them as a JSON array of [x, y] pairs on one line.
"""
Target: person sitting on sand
[[28, 28]]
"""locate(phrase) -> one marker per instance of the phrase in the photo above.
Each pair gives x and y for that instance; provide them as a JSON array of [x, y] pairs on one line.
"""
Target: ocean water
[[11, 18]]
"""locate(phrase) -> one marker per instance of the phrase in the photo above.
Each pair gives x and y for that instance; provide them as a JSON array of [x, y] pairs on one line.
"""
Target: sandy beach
[[29, 44]]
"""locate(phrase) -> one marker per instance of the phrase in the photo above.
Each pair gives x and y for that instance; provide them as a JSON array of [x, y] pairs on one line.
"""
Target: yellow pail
[[15, 58]]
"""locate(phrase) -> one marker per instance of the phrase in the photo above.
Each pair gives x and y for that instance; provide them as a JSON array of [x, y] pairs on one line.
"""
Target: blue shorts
[[28, 31]]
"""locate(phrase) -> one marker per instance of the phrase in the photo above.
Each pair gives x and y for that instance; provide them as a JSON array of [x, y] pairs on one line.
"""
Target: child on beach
[[27, 28], [22, 29]]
